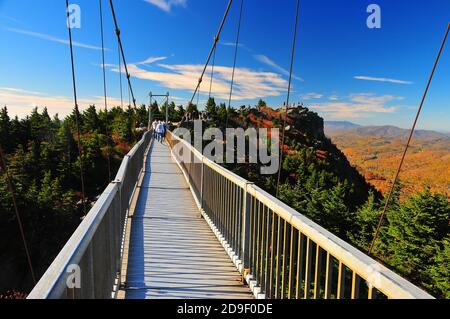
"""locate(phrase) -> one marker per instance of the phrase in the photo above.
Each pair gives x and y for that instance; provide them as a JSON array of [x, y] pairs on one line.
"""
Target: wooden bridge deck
[[172, 251]]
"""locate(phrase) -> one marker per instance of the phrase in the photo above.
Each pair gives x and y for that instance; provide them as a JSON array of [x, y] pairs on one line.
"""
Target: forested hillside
[[43, 160], [376, 152]]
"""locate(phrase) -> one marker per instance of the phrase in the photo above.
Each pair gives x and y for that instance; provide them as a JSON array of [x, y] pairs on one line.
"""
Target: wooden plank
[[172, 251]]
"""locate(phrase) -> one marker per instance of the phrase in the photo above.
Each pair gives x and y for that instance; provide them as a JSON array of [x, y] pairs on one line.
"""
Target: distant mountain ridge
[[376, 152], [384, 131], [340, 125]]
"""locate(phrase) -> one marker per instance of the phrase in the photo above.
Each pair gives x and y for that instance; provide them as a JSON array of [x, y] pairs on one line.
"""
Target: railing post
[[202, 182], [246, 230]]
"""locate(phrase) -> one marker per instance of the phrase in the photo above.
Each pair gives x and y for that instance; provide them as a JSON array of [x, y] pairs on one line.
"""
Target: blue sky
[[343, 70]]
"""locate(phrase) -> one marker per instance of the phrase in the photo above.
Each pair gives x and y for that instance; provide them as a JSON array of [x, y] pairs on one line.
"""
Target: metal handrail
[[282, 253], [89, 264]]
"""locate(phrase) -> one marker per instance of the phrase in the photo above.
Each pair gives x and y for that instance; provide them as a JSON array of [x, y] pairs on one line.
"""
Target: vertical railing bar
[[263, 247], [258, 244], [202, 182], [228, 211], [318, 272], [220, 178], [225, 209], [277, 270], [272, 254], [232, 214], [267, 251], [328, 276], [299, 276], [341, 281], [252, 233], [222, 205], [239, 223], [355, 285], [307, 268], [291, 264], [283, 273]]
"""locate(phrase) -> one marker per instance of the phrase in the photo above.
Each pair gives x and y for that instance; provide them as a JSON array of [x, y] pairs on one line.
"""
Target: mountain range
[[376, 151], [386, 131]]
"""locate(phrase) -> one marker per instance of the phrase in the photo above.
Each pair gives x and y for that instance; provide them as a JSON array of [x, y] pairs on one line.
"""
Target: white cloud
[[267, 61], [20, 102], [358, 105], [311, 96], [12, 19], [370, 78], [53, 39], [151, 60], [248, 84], [166, 5]]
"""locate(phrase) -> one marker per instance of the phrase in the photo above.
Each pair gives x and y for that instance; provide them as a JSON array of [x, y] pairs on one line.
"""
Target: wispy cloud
[[358, 106], [370, 78], [233, 44], [21, 101], [312, 96], [166, 5], [51, 38], [151, 60], [248, 84], [12, 19], [267, 61]]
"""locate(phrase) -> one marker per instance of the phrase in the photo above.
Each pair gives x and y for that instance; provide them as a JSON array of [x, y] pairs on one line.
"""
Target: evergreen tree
[[367, 218], [440, 270], [415, 232], [261, 103], [211, 108]]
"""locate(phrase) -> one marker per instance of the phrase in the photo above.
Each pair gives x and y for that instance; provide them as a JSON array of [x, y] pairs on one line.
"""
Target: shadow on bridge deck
[[172, 252]]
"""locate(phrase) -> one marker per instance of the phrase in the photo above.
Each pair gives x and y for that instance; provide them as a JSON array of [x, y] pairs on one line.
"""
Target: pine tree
[[440, 270], [415, 231], [261, 103], [5, 130], [211, 108], [367, 218]]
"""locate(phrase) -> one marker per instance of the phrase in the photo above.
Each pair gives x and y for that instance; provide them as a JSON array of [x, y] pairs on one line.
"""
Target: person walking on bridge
[[154, 124], [165, 128], [159, 131]]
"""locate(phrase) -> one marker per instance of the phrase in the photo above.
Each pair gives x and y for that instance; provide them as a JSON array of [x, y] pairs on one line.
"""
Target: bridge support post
[[202, 182], [245, 253]]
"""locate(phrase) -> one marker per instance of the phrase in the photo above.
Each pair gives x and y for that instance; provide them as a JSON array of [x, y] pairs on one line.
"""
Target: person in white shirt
[[154, 124], [159, 131]]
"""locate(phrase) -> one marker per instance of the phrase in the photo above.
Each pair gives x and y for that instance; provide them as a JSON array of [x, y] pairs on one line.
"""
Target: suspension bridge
[[167, 227]]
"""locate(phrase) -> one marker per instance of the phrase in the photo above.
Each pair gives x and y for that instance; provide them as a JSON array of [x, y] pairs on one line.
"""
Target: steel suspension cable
[[120, 76], [77, 113], [235, 60], [4, 167], [212, 72], [129, 98], [104, 88], [122, 51], [397, 173], [216, 39], [288, 97]]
